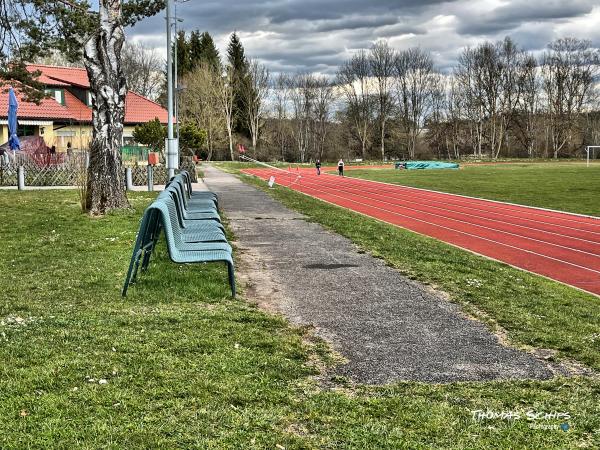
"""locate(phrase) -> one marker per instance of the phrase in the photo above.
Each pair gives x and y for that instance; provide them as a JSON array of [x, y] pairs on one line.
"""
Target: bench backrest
[[175, 191], [184, 200], [171, 195], [177, 184], [187, 179], [165, 206]]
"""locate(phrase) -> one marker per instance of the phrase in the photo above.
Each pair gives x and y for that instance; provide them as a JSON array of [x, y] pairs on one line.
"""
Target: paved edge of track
[[251, 172]]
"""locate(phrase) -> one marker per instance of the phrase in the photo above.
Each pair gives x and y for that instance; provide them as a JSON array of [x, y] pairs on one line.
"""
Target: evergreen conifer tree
[[183, 54], [195, 49], [209, 52], [239, 63]]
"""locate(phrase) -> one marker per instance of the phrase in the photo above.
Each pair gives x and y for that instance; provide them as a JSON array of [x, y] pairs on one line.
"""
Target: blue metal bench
[[188, 241]]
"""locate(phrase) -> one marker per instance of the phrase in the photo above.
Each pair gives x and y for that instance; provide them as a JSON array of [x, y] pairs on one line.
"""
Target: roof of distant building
[[138, 109]]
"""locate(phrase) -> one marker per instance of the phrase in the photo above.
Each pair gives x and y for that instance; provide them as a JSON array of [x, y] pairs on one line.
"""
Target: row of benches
[[191, 225]]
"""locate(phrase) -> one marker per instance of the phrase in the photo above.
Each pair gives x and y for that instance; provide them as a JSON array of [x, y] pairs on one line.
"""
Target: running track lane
[[561, 246]]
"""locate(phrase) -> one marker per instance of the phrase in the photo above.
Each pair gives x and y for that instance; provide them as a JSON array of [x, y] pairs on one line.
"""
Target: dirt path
[[388, 327]]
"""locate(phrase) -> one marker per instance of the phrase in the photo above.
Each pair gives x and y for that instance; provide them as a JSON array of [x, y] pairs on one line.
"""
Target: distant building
[[66, 116]]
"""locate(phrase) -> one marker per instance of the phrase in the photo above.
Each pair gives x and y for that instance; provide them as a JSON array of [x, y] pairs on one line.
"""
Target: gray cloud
[[511, 15], [317, 35], [353, 23]]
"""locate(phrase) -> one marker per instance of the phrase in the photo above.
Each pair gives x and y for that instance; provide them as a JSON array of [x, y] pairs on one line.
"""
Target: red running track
[[561, 246]]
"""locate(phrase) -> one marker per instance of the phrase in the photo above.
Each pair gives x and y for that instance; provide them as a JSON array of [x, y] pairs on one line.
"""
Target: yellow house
[[64, 118]]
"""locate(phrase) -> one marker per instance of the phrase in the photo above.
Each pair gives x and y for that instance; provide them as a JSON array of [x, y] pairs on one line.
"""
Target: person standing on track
[[341, 167], [318, 166]]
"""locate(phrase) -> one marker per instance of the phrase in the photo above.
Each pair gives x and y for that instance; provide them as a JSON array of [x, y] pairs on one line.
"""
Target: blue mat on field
[[421, 165]]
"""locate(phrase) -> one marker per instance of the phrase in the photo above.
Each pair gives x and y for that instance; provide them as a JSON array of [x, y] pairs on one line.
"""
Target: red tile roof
[[47, 109], [49, 81], [138, 109], [59, 76], [79, 111]]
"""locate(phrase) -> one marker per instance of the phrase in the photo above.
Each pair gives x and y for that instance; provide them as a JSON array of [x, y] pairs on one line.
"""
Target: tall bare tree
[[202, 103], [382, 59], [355, 81], [466, 90], [569, 69], [416, 84], [225, 92], [302, 97], [254, 91], [143, 69], [528, 107], [323, 100], [455, 104], [489, 70], [280, 94], [511, 61], [436, 123]]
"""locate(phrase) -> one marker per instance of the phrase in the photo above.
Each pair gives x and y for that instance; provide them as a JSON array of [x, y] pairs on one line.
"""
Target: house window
[[26, 130], [89, 98], [57, 94], [129, 141]]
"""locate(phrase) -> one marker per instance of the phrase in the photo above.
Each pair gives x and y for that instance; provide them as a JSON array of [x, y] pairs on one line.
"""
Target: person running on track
[[341, 167], [318, 166]]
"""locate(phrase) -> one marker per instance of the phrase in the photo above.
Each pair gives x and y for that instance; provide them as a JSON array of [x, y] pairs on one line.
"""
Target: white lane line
[[464, 233], [483, 255], [470, 215], [459, 221], [514, 206]]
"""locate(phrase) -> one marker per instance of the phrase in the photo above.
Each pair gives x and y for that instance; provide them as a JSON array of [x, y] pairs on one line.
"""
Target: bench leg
[[150, 249], [137, 266], [147, 255], [231, 273], [132, 271]]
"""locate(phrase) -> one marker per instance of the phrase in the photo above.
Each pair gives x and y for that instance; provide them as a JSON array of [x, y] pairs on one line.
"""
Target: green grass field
[[564, 186], [184, 366]]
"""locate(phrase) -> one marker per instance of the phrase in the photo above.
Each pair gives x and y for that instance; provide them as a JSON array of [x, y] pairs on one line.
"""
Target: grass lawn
[[564, 186], [184, 366]]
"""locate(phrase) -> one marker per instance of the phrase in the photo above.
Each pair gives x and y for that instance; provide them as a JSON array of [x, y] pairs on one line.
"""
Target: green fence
[[134, 153]]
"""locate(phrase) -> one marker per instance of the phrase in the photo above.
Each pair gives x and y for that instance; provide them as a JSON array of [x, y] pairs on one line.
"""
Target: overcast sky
[[317, 35]]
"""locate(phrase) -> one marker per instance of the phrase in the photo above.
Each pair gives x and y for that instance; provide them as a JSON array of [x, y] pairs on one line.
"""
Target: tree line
[[225, 99], [498, 101]]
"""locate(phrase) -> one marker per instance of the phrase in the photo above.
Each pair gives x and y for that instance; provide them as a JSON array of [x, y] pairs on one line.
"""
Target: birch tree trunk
[[230, 136], [383, 140], [224, 88], [105, 184]]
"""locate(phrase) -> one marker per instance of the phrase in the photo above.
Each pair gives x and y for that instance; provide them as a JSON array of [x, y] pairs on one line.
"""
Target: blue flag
[[13, 106]]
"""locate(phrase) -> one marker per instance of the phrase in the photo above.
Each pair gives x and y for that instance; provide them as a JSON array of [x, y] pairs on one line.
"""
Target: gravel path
[[388, 327]]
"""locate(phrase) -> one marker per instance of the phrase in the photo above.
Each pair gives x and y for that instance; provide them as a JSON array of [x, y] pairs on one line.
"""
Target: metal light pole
[[177, 19], [172, 157], [176, 76]]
